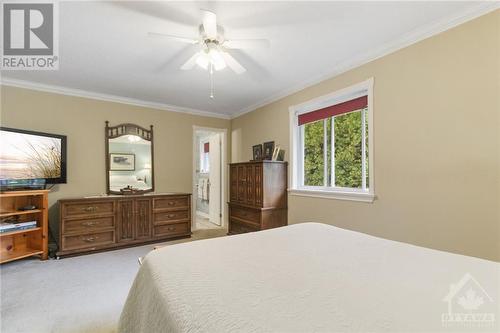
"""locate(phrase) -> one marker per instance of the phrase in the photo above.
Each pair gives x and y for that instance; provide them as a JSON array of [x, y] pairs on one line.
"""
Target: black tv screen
[[30, 155]]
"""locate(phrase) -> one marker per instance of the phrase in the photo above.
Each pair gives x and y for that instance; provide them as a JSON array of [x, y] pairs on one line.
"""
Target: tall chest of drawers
[[258, 196], [104, 223]]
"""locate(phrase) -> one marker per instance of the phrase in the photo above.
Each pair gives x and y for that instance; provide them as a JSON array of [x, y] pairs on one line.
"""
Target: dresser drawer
[[89, 208], [88, 240], [171, 229], [170, 203], [239, 228], [84, 226], [247, 214], [170, 216]]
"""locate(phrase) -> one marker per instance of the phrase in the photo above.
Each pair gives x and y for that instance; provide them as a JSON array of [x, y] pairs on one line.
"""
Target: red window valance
[[206, 147], [334, 110]]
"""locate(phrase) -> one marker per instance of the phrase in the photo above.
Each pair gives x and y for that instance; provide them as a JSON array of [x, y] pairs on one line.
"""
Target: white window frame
[[203, 161], [297, 149]]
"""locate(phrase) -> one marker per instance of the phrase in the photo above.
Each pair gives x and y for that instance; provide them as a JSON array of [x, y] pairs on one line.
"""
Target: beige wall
[[82, 120], [436, 140]]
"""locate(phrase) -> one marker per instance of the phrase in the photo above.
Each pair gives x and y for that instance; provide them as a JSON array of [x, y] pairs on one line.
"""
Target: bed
[[117, 182], [308, 277]]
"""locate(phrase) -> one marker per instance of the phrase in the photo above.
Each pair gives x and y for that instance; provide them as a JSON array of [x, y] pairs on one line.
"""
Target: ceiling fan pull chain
[[211, 81]]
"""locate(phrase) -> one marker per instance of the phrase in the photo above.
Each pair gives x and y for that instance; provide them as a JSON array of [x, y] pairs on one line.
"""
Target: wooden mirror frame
[[112, 132]]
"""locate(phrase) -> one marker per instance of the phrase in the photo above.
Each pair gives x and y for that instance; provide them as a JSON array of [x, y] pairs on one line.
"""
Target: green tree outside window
[[348, 151]]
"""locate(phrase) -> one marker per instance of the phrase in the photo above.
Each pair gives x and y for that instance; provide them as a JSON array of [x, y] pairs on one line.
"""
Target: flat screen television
[[31, 155]]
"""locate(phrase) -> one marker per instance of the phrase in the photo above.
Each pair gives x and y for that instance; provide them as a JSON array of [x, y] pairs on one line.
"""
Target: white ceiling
[[105, 49]]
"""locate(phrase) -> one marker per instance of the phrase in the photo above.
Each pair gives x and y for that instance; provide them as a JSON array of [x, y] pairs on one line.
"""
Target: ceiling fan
[[214, 48]]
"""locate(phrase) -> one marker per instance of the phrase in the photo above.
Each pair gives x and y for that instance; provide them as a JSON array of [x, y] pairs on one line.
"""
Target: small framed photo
[[268, 150], [281, 155], [121, 162], [275, 153], [257, 152]]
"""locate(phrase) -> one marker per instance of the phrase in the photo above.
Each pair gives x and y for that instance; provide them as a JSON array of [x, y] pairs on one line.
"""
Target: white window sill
[[338, 195]]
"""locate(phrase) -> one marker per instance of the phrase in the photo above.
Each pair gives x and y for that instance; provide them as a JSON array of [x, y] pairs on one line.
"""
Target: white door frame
[[223, 167]]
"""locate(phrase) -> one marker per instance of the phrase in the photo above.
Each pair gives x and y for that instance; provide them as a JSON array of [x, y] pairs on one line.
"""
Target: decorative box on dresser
[[258, 196], [109, 222]]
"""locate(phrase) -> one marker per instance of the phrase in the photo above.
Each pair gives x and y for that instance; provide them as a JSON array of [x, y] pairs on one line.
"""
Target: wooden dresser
[[258, 196], [109, 222]]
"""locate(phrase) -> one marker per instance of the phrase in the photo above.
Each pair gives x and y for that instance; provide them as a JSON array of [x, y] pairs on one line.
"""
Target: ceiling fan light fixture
[[203, 60], [217, 60], [219, 66], [211, 57], [214, 53]]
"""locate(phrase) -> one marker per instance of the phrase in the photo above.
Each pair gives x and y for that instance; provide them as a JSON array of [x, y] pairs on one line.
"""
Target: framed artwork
[[281, 155], [275, 153], [121, 162], [268, 150], [257, 152]]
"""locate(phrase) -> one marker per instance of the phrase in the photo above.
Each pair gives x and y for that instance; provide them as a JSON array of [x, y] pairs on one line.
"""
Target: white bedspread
[[304, 278]]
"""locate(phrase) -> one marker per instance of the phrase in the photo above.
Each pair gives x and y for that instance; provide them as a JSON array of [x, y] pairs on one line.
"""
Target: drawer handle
[[170, 216], [90, 223], [171, 203], [90, 209], [171, 228], [90, 239]]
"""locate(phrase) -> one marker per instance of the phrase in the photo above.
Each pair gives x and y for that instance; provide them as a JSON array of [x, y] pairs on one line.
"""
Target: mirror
[[129, 159]]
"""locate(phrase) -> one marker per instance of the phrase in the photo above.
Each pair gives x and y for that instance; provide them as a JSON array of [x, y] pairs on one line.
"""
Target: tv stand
[[24, 243]]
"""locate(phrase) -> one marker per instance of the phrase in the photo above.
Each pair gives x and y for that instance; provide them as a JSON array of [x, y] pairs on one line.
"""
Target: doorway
[[209, 174]]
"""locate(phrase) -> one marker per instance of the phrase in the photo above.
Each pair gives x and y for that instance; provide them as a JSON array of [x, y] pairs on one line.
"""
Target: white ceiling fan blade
[[247, 44], [210, 24], [172, 37], [190, 63], [232, 63]]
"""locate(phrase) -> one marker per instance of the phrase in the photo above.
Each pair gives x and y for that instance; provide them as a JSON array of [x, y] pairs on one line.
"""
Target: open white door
[[214, 204]]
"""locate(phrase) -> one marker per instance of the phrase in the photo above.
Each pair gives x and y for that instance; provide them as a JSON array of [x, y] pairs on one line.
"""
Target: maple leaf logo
[[470, 301]]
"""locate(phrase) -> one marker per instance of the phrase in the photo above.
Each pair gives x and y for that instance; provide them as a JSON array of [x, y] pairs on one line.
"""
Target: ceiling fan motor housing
[[220, 35]]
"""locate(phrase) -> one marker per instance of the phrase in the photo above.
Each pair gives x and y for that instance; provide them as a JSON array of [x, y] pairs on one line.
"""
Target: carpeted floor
[[72, 295]]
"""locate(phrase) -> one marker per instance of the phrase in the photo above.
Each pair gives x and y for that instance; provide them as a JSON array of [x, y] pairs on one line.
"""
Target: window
[[332, 145], [204, 157]]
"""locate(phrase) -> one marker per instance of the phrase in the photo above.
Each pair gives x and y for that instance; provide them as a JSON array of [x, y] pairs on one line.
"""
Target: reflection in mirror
[[130, 160], [130, 163]]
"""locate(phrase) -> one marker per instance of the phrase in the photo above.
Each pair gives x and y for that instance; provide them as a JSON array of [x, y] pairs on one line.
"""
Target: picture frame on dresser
[[268, 150], [257, 152]]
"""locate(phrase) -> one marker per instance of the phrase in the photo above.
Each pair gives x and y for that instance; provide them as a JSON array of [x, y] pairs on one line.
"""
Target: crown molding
[[406, 40], [108, 98]]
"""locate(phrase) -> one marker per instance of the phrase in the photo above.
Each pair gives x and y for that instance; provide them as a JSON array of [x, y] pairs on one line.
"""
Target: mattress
[[310, 277]]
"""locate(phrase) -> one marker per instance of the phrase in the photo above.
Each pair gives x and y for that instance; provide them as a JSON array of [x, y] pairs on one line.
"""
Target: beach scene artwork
[[27, 156]]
